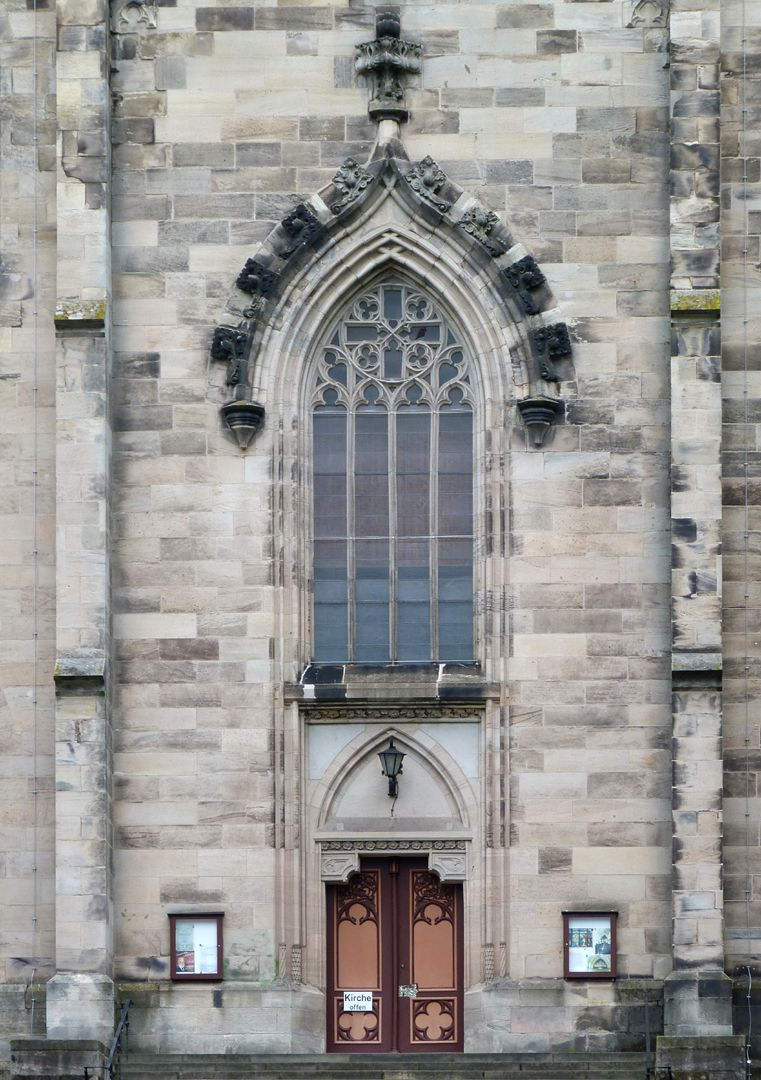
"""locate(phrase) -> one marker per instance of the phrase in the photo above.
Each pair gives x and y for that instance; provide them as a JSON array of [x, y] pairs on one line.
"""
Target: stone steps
[[141, 1066]]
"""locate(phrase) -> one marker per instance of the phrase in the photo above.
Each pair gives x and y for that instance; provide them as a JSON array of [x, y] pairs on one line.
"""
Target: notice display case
[[195, 946], [589, 944]]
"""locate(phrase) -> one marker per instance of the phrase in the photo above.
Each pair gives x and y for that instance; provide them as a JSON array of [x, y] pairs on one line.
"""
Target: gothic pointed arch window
[[392, 450]]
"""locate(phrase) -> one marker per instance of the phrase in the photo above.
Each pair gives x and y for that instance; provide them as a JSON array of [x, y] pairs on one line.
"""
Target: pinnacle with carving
[[385, 60]]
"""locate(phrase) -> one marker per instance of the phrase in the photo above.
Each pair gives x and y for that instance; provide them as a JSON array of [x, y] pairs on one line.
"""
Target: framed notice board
[[589, 944], [195, 946]]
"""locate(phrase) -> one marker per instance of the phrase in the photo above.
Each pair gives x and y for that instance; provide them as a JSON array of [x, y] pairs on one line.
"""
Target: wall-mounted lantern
[[391, 766]]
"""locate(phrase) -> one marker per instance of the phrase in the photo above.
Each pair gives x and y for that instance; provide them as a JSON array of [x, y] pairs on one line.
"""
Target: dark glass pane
[[392, 362], [371, 473], [329, 473], [455, 474], [413, 630], [392, 305], [338, 373], [330, 508], [425, 332], [361, 333], [455, 600], [371, 593], [331, 637], [446, 373], [413, 456]]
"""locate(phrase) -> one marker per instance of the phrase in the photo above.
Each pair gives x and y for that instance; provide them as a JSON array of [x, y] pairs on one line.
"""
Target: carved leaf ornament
[[305, 226]]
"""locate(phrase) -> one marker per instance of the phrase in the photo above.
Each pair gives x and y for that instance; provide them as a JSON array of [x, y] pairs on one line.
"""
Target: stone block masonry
[[165, 139]]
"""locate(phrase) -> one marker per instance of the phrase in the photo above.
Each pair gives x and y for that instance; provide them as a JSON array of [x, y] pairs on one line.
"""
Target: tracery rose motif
[[360, 890], [131, 14], [418, 307], [420, 356], [357, 1027], [427, 179], [433, 1021], [649, 13], [430, 893], [367, 357], [393, 341], [366, 308], [351, 180]]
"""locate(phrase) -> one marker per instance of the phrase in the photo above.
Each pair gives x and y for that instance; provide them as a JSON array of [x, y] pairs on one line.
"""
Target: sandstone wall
[[27, 542], [564, 118]]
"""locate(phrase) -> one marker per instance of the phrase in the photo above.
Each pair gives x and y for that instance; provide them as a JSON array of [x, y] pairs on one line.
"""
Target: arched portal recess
[[493, 296]]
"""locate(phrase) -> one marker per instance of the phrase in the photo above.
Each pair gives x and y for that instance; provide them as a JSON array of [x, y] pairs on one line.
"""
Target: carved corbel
[[242, 417], [336, 866], [450, 866], [538, 413]]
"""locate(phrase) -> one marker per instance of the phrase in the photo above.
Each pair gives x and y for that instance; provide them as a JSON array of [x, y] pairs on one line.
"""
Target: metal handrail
[[114, 1057]]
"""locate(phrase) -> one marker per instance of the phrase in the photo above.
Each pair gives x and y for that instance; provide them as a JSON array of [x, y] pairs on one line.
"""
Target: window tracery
[[392, 415]]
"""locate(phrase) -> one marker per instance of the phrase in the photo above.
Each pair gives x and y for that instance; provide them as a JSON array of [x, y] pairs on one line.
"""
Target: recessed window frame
[[464, 378]]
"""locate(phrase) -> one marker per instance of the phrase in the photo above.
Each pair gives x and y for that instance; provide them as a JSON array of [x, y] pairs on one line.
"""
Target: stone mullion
[[697, 994], [80, 995]]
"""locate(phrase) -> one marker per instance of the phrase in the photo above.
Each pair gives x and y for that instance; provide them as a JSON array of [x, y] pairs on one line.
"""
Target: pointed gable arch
[[444, 788], [393, 216]]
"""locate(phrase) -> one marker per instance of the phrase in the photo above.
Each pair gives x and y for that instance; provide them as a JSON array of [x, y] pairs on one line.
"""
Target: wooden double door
[[395, 931]]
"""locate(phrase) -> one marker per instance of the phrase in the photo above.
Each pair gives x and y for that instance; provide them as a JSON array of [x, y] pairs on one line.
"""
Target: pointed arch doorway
[[395, 931]]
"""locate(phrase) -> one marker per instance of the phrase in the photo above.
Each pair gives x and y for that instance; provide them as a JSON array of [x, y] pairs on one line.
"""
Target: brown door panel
[[395, 924]]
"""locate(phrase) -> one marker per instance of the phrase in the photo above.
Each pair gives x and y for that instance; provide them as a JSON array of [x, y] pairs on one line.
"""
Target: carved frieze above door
[[339, 859]]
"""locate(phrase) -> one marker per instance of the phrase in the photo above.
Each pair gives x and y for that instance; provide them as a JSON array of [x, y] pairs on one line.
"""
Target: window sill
[[391, 682]]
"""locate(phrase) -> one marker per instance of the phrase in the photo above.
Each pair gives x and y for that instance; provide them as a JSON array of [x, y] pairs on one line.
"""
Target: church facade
[[379, 396]]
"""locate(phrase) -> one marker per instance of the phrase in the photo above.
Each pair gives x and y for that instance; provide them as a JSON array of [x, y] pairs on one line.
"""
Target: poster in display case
[[195, 946], [589, 944]]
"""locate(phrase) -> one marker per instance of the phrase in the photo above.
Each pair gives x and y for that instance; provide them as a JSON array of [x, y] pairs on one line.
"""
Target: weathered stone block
[[231, 18]]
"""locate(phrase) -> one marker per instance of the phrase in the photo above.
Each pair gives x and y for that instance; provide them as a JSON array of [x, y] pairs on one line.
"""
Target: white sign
[[358, 1001]]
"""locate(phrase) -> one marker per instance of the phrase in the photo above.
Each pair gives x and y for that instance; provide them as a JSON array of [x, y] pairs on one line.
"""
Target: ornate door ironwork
[[396, 931]]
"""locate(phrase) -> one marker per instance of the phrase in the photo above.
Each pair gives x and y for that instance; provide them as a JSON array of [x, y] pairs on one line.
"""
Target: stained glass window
[[393, 485]]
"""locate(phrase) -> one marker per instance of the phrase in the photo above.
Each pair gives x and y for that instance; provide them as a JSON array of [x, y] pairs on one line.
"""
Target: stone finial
[[385, 60]]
